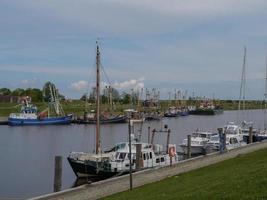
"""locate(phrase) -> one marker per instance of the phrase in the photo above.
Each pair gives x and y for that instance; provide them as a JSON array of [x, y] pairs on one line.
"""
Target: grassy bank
[[244, 177], [77, 107]]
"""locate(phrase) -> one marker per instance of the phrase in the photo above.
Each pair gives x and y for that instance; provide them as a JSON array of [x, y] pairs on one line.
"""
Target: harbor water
[[27, 153]]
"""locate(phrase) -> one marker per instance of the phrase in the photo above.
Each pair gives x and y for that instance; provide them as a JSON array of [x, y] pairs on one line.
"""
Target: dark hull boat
[[90, 169], [115, 119], [171, 115]]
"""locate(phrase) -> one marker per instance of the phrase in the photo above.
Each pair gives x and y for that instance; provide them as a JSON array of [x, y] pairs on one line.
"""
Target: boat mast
[[265, 98], [97, 99], [243, 82]]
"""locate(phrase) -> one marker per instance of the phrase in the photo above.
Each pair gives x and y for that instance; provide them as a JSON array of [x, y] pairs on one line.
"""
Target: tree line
[[36, 94]]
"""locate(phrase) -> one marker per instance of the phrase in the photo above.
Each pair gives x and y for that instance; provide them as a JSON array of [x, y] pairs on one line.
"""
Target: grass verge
[[244, 177]]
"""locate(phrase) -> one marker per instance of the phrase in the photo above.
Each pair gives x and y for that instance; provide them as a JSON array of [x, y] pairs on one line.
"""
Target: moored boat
[[117, 160], [29, 116], [198, 140]]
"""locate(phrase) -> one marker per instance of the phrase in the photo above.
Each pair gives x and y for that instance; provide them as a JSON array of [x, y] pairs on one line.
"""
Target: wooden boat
[[117, 160]]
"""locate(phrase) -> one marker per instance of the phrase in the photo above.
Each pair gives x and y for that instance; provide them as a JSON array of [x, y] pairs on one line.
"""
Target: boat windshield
[[121, 156], [231, 130], [214, 138]]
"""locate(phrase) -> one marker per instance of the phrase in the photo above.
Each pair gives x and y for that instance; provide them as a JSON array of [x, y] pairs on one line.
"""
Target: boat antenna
[[97, 99]]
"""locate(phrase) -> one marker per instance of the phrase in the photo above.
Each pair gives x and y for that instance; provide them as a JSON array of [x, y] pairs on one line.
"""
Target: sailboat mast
[[265, 97], [242, 86], [97, 99]]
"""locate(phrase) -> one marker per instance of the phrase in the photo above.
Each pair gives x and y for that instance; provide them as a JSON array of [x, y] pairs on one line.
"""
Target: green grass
[[244, 177]]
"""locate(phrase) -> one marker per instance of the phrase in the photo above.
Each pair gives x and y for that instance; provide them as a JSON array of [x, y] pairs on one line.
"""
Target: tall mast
[[265, 97], [242, 94], [97, 99]]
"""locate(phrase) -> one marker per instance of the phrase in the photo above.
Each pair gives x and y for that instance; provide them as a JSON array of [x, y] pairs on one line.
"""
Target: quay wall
[[118, 184]]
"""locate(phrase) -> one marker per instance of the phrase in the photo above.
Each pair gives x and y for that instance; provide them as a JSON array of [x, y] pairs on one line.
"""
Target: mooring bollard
[[189, 146], [58, 173], [250, 136]]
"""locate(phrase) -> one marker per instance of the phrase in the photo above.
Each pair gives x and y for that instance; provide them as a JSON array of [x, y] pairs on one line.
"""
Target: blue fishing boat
[[24, 119], [29, 114]]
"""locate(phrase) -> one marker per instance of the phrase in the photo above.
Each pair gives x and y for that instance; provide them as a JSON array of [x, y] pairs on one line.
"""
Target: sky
[[195, 46]]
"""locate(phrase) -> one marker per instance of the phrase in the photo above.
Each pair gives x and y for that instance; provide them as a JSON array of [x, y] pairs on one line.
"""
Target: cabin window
[[233, 140], [150, 155], [122, 156], [162, 159], [157, 160], [144, 156]]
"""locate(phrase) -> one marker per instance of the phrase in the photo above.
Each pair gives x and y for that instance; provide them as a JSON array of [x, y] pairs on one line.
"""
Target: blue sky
[[174, 44]]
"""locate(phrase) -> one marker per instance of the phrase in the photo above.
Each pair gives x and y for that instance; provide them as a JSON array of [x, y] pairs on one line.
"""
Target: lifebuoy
[[172, 152]]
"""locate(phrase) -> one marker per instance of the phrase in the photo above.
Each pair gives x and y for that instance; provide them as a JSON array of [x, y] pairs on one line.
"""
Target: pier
[[119, 184]]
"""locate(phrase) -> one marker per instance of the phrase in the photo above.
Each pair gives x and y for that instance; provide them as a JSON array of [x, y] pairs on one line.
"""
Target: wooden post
[[58, 174], [148, 135], [250, 138], [221, 138], [130, 153], [189, 146], [138, 163], [224, 142], [153, 135], [168, 141]]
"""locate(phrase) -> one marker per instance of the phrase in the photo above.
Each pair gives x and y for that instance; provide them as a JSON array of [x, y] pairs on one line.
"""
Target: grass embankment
[[244, 177], [77, 107]]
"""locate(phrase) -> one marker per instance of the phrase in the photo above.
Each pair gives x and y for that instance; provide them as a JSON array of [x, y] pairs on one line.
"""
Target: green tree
[[5, 91], [35, 94], [18, 92], [126, 98]]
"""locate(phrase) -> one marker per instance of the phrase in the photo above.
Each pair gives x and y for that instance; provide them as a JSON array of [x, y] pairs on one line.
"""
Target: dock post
[[130, 124], [222, 140], [138, 163], [189, 146], [148, 135], [250, 136], [168, 140], [58, 173]]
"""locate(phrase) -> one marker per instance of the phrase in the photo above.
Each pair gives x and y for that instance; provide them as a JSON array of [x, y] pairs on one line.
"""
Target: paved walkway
[[111, 186]]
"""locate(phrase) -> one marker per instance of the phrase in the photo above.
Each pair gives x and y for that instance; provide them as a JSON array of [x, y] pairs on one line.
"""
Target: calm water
[[27, 153]]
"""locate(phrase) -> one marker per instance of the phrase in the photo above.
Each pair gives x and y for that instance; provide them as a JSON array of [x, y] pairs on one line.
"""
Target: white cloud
[[79, 86], [135, 84], [29, 82]]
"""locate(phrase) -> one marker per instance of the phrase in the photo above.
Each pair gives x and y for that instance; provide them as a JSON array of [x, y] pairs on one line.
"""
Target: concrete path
[[111, 186]]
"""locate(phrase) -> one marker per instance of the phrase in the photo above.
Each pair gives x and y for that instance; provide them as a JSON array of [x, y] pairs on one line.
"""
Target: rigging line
[[105, 74]]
